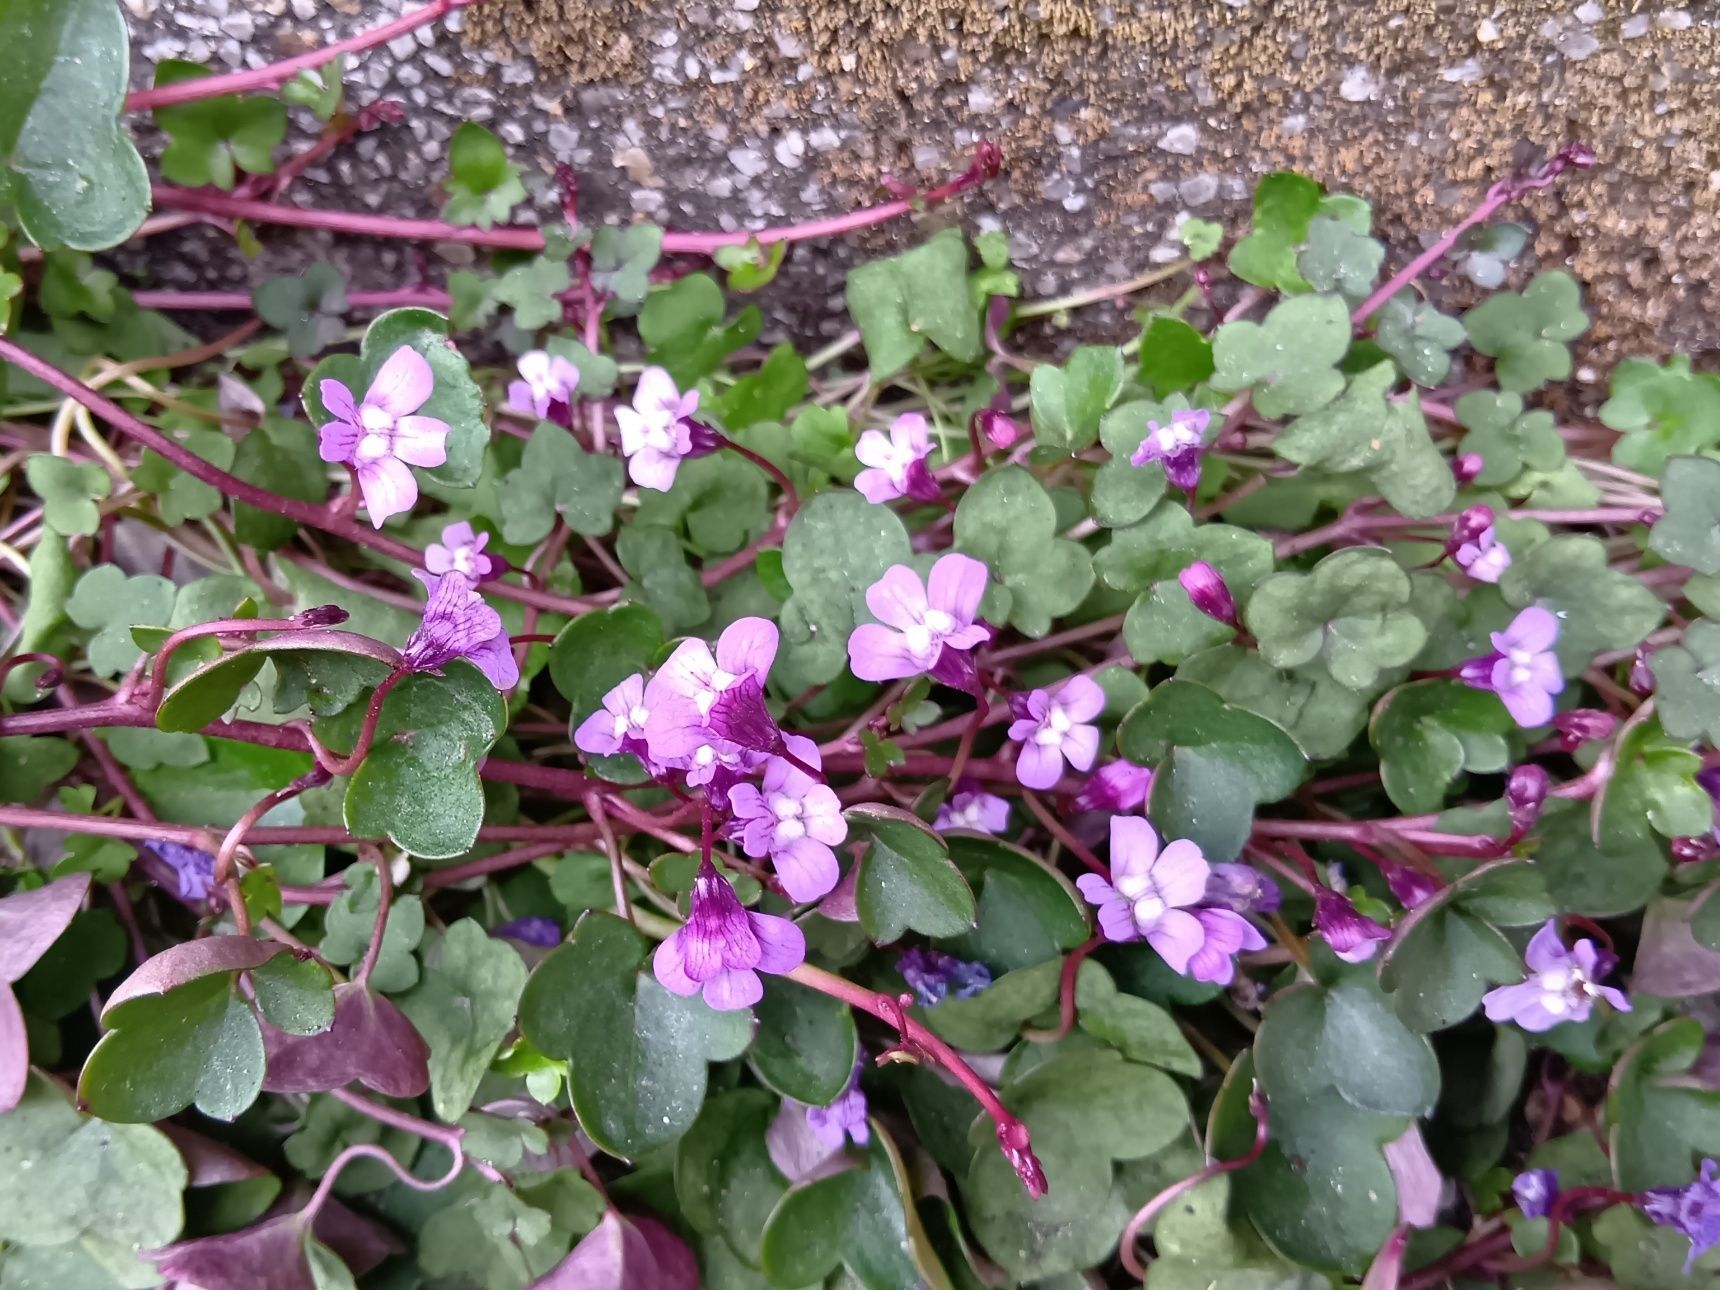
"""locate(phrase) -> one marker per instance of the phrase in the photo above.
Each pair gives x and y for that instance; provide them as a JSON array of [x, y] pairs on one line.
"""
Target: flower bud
[[1690, 850], [1525, 792], [321, 616], [1708, 778], [1207, 590], [1469, 526], [1412, 887], [998, 429], [1116, 787], [50, 678], [1466, 466], [1641, 674], [1353, 936], [1242, 889], [706, 439], [1583, 725]]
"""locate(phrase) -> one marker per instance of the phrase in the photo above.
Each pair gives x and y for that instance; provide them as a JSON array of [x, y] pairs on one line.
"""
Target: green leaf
[[1687, 681], [1174, 356], [294, 994], [622, 260], [1167, 541], [806, 1045], [1336, 256], [71, 173], [419, 786], [1028, 912], [597, 651], [309, 308], [1284, 206], [325, 681], [1345, 1039], [724, 1178], [110, 604], [1214, 764], [52, 576], [464, 1005], [1200, 237], [722, 500], [1008, 520], [1599, 608], [533, 291], [597, 372], [30, 764], [682, 327], [1427, 733], [483, 185], [1689, 532], [1661, 1121], [317, 88], [768, 394], [902, 302], [1661, 410], [216, 137], [1139, 1029], [1069, 400], [1418, 336], [637, 1053], [1290, 360], [1653, 790], [181, 496], [1528, 335], [456, 398], [350, 924], [1618, 876], [558, 477], [279, 455], [751, 267], [1508, 439], [204, 695], [1442, 961], [906, 878], [990, 1020], [662, 577], [1322, 716], [68, 491], [836, 546], [1351, 609], [197, 1043]]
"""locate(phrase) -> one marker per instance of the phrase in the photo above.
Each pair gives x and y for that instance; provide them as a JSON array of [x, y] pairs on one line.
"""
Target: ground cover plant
[[512, 781]]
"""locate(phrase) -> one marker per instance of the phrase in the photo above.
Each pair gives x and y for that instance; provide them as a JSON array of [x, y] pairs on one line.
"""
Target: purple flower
[[920, 620], [461, 551], [379, 438], [458, 624], [1485, 558], [1561, 985], [1523, 672], [1117, 787], [1242, 889], [533, 929], [845, 1118], [1150, 891], [619, 725], [1227, 935], [706, 711], [999, 428], [655, 434], [974, 809], [194, 869], [1208, 593], [722, 947], [1353, 936], [545, 388], [793, 819], [1177, 447], [1693, 1209], [1525, 792], [896, 462], [1054, 726], [1534, 1190], [935, 976]]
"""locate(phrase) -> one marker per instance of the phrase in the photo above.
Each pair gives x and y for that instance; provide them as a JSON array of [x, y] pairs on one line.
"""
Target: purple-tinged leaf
[[268, 1256], [210, 1163], [14, 1051], [1417, 1177], [625, 1254], [361, 1243], [31, 921], [1670, 962], [176, 965], [371, 1041]]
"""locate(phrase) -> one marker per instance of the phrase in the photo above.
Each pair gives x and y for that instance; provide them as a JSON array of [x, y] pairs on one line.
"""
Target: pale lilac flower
[[1485, 559], [655, 434], [722, 947], [1054, 726], [1117, 787], [896, 462], [461, 551], [458, 624], [1150, 891], [1177, 446], [1353, 936], [1534, 1191], [194, 869], [1693, 1209], [795, 820], [533, 929], [1562, 984], [844, 1119], [1208, 593], [972, 808], [920, 620], [380, 437], [619, 725], [707, 710], [545, 388], [1227, 935], [1524, 672], [1242, 889], [935, 976]]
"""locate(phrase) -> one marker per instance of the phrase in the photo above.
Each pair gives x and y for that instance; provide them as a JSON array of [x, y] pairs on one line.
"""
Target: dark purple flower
[[1208, 593], [1412, 887], [1534, 1191], [974, 809], [1582, 725], [1562, 984], [533, 929], [1177, 446], [1525, 792], [1641, 673], [1242, 889], [1524, 671], [194, 869], [1353, 936], [321, 616], [843, 1119], [706, 712], [895, 462], [1693, 1209], [1708, 778], [795, 820], [722, 947], [935, 976], [458, 624], [545, 388], [999, 429], [1055, 726], [920, 621], [1116, 788]]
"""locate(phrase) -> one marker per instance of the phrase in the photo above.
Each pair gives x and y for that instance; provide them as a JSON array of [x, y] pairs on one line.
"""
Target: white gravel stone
[[1360, 85], [1183, 139]]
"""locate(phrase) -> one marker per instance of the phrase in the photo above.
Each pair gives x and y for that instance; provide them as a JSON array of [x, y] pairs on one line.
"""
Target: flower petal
[[1134, 849], [876, 486], [748, 645], [1117, 921], [879, 654], [1180, 873], [807, 868], [652, 469], [337, 440], [956, 586], [875, 449], [898, 598], [402, 384], [337, 398], [782, 945], [1533, 629], [669, 965], [733, 990], [632, 427], [388, 488], [1081, 746], [1081, 698], [1546, 951], [1177, 938], [421, 441], [495, 659], [1094, 887], [1529, 705], [1038, 765]]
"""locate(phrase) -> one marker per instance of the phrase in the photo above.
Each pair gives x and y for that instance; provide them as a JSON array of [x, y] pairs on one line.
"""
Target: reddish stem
[[1066, 993], [332, 762]]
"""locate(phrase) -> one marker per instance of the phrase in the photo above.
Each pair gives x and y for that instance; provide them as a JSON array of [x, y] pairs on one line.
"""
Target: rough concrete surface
[[1115, 119]]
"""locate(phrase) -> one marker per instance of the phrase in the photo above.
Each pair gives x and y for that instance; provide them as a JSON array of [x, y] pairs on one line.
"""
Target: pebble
[[749, 161], [1183, 139], [1198, 190], [1360, 85], [790, 149]]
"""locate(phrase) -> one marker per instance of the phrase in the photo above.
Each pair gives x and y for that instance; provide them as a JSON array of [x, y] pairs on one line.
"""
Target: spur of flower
[[381, 436]]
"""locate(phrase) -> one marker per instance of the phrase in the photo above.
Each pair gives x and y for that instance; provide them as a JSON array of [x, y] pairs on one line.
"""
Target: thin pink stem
[[384, 899], [221, 301]]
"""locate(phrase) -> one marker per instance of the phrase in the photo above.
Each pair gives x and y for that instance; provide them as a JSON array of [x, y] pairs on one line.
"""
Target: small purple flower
[[999, 428], [1208, 593], [795, 820], [1054, 726], [935, 976], [380, 437], [1116, 788], [974, 809], [722, 947], [1693, 1209], [1561, 985], [461, 551], [1150, 891], [619, 725], [896, 462], [545, 388], [1583, 725], [1485, 558], [1412, 887], [1178, 447], [194, 869], [1534, 1191], [1242, 889], [1353, 936], [1227, 935], [844, 1119], [1525, 792], [1524, 671], [655, 433], [707, 710], [458, 624], [533, 929], [1466, 466], [920, 620]]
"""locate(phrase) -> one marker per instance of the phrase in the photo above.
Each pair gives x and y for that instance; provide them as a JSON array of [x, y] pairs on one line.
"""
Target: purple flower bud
[[936, 976], [1525, 791], [1534, 1191], [1709, 778], [1691, 850], [1641, 674], [1353, 936], [702, 439], [1470, 525], [1412, 887], [193, 869], [1242, 889], [51, 678], [534, 929], [1582, 725], [1016, 1144], [1466, 466], [321, 616], [999, 429], [1208, 593], [1116, 788]]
